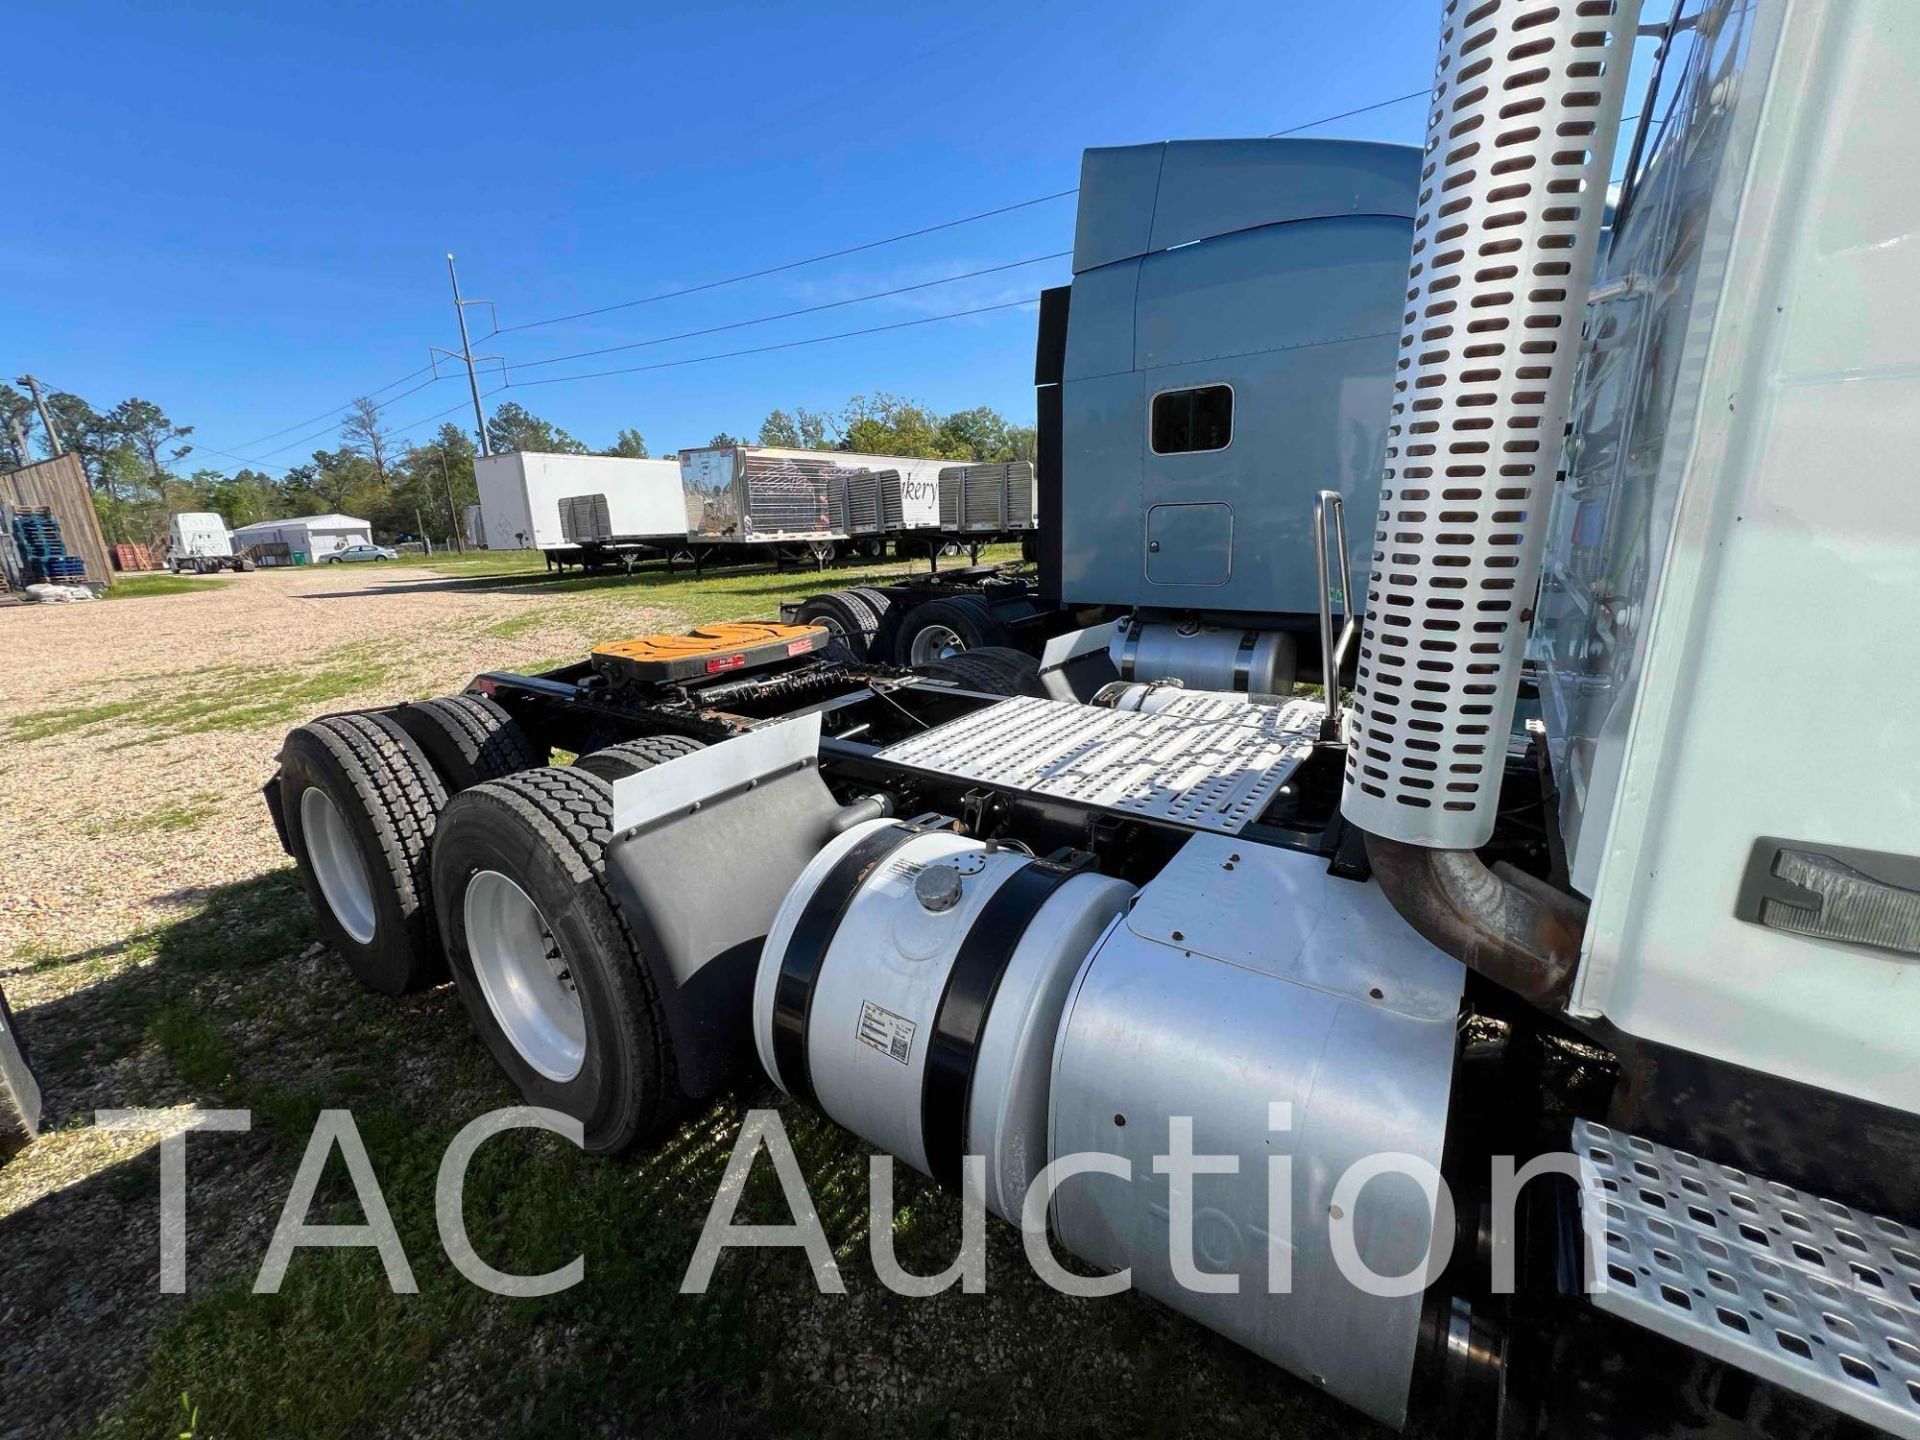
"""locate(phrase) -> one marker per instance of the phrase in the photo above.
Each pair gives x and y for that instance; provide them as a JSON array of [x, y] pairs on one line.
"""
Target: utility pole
[[40, 404], [466, 354], [19, 440], [453, 515]]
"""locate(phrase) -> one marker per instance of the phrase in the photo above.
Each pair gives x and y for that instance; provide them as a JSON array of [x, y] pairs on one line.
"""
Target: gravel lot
[[74, 877], [130, 769]]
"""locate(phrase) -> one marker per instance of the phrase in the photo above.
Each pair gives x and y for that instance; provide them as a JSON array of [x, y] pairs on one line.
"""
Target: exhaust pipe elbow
[[1512, 928]]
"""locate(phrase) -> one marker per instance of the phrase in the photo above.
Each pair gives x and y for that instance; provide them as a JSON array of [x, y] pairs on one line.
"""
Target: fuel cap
[[937, 888]]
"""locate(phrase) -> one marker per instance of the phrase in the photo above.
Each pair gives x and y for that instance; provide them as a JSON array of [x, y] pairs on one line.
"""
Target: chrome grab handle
[[1333, 652]]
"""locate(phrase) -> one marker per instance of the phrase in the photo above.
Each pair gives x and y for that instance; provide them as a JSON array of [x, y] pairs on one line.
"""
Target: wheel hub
[[337, 864], [525, 978], [936, 642]]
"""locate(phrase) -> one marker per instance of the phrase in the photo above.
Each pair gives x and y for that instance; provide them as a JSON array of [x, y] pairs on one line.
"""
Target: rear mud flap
[[705, 848]]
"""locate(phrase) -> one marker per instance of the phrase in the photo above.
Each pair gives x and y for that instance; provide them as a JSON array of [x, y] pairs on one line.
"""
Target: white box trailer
[[520, 495]]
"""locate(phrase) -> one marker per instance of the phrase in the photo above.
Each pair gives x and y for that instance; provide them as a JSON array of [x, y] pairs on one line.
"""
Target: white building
[[314, 536]]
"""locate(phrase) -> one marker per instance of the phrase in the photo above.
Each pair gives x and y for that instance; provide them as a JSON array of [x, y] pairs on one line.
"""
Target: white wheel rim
[[936, 642], [523, 976], [337, 864]]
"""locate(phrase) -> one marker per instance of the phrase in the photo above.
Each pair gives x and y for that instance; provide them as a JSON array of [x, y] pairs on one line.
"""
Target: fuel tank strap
[[962, 1013], [812, 934]]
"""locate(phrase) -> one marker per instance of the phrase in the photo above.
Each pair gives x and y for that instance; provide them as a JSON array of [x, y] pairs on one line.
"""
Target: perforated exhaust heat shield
[[1526, 110]]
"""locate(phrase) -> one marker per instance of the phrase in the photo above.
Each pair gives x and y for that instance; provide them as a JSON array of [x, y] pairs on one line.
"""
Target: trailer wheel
[[360, 802], [941, 628], [616, 762], [546, 965], [468, 739], [993, 670], [847, 617]]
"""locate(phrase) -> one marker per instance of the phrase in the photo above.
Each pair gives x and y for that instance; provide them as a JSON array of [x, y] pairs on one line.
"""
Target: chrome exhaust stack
[[1526, 112]]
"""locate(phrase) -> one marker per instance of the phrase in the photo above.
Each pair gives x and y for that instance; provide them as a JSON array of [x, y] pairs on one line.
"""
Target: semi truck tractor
[[1222, 359], [1547, 1023], [199, 541]]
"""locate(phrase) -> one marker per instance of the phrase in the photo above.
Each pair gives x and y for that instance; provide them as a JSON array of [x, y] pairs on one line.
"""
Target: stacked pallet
[[132, 557], [37, 535]]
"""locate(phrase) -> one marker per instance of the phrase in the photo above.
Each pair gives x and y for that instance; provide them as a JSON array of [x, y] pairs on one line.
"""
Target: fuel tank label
[[890, 1034]]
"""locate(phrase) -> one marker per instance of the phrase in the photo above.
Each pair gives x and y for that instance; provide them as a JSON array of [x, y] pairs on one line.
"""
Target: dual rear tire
[[361, 795], [990, 670], [939, 629], [855, 618], [468, 739], [432, 846], [361, 804]]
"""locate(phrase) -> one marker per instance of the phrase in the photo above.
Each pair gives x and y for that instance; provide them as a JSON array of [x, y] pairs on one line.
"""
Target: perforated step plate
[[1204, 763], [1808, 1293]]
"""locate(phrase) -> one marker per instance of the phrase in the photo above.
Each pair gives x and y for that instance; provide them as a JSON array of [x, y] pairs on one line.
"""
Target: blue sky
[[241, 213]]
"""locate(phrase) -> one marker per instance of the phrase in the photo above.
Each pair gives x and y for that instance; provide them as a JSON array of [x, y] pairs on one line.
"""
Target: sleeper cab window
[[1189, 420]]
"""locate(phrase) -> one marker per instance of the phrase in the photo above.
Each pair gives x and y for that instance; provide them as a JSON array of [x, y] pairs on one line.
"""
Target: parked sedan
[[359, 552]]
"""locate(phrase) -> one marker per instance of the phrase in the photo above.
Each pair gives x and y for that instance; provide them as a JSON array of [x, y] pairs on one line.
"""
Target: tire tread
[[632, 756], [487, 741], [402, 795]]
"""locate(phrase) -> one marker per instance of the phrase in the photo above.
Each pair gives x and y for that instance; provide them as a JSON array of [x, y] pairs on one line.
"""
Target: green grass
[[220, 697], [742, 593], [184, 814], [486, 562], [137, 587], [59, 719], [194, 1045], [532, 618]]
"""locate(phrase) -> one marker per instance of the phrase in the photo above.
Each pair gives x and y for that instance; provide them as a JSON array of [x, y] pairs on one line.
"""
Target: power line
[[311, 419], [779, 270], [328, 429], [258, 461], [790, 314], [782, 269], [910, 234], [791, 264], [442, 414], [394, 430], [783, 345], [1419, 94]]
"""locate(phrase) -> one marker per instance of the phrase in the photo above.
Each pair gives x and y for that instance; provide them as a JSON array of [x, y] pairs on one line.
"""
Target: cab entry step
[[1813, 1295]]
